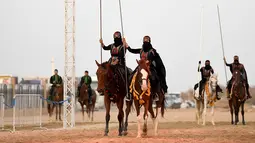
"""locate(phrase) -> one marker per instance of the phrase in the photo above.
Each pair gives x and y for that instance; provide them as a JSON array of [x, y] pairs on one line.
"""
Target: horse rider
[[117, 51], [86, 79], [206, 72], [55, 80], [158, 71], [236, 65]]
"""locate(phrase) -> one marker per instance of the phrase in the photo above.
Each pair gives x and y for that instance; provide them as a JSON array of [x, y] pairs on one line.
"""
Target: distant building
[[8, 79]]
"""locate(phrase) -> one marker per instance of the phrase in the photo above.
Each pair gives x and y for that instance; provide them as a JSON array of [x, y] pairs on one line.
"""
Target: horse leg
[[154, 119], [212, 114], [145, 118], [59, 117], [120, 116], [231, 111], [107, 103], [197, 111], [87, 111], [128, 108], [236, 113], [136, 102], [50, 112], [56, 112], [205, 107], [242, 106], [92, 112], [52, 109]]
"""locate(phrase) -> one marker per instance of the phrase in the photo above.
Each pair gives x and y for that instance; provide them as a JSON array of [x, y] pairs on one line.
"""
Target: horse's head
[[103, 73], [143, 73], [84, 89], [213, 81]]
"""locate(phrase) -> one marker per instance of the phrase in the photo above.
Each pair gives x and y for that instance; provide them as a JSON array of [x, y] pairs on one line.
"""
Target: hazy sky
[[32, 31]]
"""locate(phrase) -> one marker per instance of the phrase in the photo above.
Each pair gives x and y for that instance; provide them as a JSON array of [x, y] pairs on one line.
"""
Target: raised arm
[[103, 46], [199, 64], [226, 62], [134, 51]]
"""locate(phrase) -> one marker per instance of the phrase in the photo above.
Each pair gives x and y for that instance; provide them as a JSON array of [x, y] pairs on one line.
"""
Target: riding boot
[[128, 97], [217, 96], [90, 96], [51, 91], [248, 92], [227, 93], [218, 89], [156, 98]]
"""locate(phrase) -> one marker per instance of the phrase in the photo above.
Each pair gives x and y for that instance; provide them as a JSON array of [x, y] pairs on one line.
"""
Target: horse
[[143, 90], [56, 97], [208, 98], [83, 100], [112, 85], [238, 97]]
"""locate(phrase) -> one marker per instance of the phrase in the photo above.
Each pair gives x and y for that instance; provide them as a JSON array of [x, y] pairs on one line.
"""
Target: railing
[[26, 110]]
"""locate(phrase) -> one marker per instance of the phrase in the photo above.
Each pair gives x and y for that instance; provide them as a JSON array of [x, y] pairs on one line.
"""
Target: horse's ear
[[97, 63], [137, 61]]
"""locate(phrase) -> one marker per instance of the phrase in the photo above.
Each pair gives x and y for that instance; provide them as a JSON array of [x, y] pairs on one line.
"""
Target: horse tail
[[163, 108]]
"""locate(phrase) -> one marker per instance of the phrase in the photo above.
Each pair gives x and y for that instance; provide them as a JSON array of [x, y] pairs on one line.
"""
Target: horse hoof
[[105, 135], [232, 123], [244, 123], [144, 134], [125, 133], [139, 136], [120, 135]]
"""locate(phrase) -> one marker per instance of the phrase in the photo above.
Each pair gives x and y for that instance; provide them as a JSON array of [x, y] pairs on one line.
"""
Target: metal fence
[[8, 91], [21, 105]]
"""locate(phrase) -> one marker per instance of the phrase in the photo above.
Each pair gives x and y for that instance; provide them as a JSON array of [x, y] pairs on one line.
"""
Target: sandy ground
[[178, 126]]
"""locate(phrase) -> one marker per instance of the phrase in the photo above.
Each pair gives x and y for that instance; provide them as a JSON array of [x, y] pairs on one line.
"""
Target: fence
[[22, 108]]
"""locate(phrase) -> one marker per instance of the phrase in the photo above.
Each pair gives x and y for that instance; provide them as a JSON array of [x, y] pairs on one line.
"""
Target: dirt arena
[[178, 126]]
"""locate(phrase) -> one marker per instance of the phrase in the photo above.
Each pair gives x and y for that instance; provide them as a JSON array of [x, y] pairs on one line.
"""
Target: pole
[[222, 45], [201, 39], [122, 31], [101, 30]]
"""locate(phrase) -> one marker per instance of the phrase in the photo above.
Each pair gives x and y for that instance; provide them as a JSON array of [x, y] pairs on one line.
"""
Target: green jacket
[[86, 79], [57, 79]]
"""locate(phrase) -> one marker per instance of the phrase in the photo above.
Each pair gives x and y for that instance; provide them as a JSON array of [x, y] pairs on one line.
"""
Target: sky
[[32, 32]]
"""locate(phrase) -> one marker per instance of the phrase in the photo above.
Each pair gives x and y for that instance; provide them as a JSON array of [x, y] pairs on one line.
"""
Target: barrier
[[26, 110], [2, 107]]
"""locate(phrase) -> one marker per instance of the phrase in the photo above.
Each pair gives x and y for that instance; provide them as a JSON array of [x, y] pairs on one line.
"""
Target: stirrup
[[156, 98], [128, 99]]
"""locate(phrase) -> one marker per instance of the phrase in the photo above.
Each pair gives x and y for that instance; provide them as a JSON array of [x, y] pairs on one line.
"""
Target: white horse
[[208, 98]]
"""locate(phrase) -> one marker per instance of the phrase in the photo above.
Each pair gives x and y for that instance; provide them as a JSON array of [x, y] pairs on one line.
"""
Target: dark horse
[[238, 96], [112, 86], [84, 100], [56, 97], [143, 90]]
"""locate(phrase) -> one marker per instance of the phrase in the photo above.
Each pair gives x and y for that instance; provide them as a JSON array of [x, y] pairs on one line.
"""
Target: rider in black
[[236, 65], [158, 71]]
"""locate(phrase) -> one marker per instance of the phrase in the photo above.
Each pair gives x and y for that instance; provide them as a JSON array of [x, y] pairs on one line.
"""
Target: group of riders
[[158, 71]]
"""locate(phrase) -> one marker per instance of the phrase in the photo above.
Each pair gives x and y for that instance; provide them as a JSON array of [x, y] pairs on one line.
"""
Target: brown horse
[[112, 86], [84, 100], [143, 90], [57, 97], [238, 96]]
